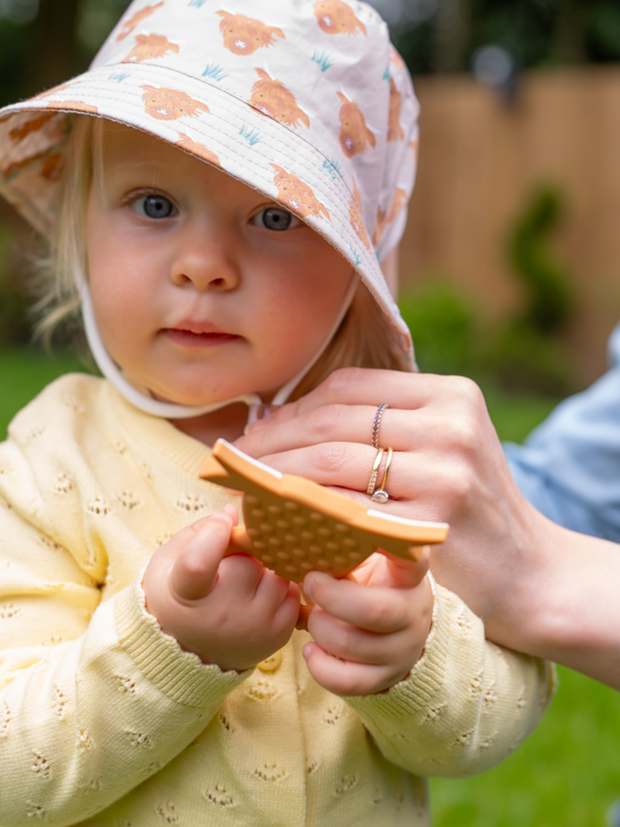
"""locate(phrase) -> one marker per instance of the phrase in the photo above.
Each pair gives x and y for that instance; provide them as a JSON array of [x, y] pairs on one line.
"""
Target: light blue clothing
[[569, 467]]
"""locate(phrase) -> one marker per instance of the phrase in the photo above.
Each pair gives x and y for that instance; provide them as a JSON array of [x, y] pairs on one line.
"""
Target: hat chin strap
[[170, 410]]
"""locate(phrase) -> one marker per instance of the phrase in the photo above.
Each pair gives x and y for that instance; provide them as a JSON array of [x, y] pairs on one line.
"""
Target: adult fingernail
[[307, 651]]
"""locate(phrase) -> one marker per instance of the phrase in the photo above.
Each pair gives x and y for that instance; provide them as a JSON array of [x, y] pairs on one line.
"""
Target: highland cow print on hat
[[243, 35], [336, 17]]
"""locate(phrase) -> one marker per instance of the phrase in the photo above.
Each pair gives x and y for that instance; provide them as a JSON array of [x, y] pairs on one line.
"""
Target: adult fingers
[[401, 429], [346, 466], [364, 386]]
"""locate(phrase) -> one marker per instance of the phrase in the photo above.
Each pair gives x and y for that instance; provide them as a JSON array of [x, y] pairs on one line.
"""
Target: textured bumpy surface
[[293, 526]]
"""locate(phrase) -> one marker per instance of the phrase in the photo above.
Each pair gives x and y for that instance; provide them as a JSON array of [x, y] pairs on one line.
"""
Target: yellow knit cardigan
[[106, 722]]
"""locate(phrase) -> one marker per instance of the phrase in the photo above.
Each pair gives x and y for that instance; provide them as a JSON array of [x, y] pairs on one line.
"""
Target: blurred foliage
[[14, 322], [547, 285], [535, 32], [451, 336], [43, 42], [525, 354], [444, 325], [526, 351]]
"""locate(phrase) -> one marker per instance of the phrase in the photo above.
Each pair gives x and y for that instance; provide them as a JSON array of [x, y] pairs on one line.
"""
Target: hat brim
[[206, 121]]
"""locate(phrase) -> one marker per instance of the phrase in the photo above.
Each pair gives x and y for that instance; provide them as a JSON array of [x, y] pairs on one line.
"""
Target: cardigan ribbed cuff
[[180, 675], [419, 690]]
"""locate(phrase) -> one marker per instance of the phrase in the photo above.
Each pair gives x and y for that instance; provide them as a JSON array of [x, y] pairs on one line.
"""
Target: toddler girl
[[218, 189]]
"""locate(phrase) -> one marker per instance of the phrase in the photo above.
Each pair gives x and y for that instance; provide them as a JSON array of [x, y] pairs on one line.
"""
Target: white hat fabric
[[304, 100]]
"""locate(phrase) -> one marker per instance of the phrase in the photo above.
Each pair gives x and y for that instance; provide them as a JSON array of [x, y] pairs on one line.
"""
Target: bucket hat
[[306, 101]]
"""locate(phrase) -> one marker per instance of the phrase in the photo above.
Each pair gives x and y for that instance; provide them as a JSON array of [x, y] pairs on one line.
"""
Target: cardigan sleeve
[[94, 697], [465, 706]]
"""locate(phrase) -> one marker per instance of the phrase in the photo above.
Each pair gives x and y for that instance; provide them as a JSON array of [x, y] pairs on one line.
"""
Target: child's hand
[[229, 611], [368, 634]]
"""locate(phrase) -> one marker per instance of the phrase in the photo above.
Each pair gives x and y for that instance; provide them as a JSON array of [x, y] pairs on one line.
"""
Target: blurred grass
[[567, 774], [24, 372]]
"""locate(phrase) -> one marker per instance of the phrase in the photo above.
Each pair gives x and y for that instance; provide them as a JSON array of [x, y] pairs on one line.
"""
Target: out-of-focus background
[[509, 272]]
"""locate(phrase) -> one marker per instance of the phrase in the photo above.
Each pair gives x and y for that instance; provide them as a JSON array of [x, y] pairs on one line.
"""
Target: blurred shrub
[[548, 297], [452, 337], [444, 327], [520, 359], [525, 353]]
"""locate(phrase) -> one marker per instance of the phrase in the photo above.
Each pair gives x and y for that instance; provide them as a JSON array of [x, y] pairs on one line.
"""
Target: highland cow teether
[[293, 525]]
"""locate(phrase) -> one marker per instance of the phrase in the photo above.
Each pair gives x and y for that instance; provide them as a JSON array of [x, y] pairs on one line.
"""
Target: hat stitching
[[230, 95], [236, 106]]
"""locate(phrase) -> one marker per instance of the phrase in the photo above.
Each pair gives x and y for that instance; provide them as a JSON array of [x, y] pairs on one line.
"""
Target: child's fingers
[[384, 569], [270, 595], [378, 609], [351, 642], [194, 570], [347, 678]]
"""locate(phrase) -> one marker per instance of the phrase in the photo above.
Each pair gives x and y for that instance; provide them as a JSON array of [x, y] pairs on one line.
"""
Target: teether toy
[[293, 525]]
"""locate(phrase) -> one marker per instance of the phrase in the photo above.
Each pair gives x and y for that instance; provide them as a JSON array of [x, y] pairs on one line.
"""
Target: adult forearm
[[556, 599]]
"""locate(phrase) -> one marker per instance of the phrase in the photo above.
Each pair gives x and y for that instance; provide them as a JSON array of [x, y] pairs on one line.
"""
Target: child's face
[[197, 293]]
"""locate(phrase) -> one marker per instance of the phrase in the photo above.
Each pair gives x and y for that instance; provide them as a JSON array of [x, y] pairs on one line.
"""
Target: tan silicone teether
[[293, 526]]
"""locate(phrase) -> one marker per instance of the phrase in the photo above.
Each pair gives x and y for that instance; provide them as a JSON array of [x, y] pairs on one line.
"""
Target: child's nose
[[207, 262]]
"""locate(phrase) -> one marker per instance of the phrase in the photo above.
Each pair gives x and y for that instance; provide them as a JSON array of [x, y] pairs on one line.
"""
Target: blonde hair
[[59, 300], [364, 339]]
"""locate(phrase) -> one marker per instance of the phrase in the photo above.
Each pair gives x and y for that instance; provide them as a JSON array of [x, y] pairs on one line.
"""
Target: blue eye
[[154, 206], [275, 218]]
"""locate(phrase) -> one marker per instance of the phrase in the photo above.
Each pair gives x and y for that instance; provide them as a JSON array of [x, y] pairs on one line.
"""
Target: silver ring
[[377, 424]]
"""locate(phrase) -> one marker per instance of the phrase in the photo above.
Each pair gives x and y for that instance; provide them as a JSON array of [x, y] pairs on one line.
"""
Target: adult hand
[[448, 465], [539, 588], [227, 610]]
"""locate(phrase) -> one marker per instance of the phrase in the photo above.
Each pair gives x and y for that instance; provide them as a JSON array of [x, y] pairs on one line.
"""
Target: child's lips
[[195, 337]]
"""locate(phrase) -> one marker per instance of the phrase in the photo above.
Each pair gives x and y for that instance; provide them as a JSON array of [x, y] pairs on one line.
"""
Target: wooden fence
[[480, 161]]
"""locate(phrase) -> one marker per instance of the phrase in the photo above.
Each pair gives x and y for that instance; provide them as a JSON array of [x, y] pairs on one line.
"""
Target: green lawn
[[566, 775], [23, 373]]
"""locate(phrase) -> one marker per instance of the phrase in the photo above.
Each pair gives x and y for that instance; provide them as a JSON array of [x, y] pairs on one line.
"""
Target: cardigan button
[[272, 663]]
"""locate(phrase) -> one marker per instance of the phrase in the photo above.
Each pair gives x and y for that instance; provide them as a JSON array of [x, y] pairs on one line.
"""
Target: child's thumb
[[195, 569], [407, 574]]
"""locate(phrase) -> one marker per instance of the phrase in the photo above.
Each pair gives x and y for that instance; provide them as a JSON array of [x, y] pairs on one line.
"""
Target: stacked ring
[[381, 495], [377, 424], [372, 482]]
